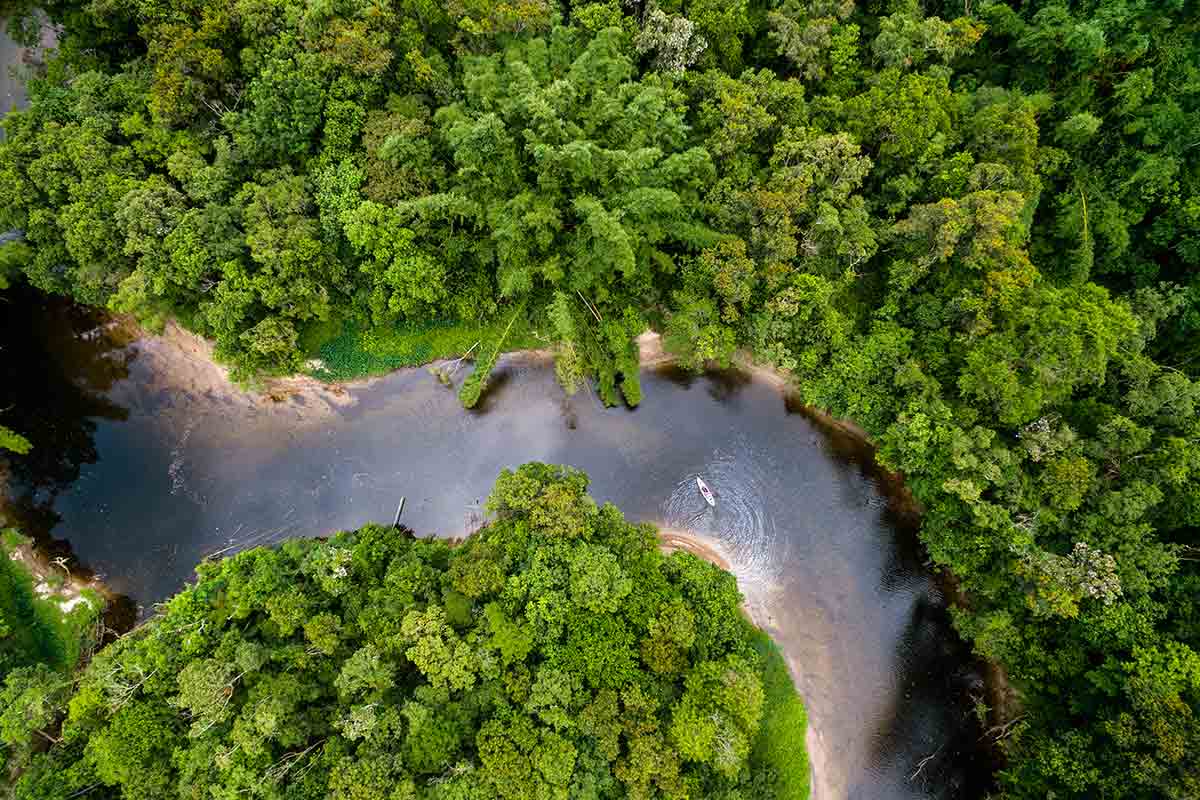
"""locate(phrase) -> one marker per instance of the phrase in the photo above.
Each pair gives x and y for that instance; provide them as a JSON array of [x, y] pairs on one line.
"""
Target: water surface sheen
[[820, 551]]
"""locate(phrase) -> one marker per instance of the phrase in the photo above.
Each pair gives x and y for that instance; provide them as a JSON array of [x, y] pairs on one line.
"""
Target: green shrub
[[555, 653]]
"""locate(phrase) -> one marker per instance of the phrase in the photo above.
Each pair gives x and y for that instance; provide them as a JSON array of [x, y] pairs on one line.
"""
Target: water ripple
[[740, 522]]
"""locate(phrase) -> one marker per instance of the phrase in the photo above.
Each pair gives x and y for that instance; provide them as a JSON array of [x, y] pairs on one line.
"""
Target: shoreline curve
[[673, 539]]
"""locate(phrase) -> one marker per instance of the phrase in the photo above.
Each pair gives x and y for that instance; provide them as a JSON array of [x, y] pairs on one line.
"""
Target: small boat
[[704, 490]]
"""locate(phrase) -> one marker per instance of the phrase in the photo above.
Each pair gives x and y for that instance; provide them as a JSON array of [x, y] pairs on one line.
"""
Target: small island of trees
[[557, 653]]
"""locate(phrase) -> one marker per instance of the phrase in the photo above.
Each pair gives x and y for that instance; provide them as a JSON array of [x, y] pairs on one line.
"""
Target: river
[[146, 461], [15, 61]]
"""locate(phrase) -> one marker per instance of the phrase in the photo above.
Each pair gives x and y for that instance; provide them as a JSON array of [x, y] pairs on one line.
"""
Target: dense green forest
[[555, 654], [971, 226]]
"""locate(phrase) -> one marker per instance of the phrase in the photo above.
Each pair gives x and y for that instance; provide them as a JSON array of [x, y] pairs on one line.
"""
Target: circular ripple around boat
[[738, 522]]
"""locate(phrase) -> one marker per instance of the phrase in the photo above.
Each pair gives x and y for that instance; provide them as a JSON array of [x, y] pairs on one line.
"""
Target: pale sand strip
[[670, 540]]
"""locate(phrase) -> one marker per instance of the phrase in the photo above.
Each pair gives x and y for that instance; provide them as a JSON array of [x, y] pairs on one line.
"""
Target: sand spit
[[756, 607]]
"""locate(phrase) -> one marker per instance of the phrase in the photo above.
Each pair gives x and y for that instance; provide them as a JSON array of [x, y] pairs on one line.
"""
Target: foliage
[[35, 628], [372, 664], [14, 255], [14, 442], [971, 227], [476, 382]]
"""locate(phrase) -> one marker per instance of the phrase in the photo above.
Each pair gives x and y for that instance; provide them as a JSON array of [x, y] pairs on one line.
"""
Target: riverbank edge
[[999, 695], [32, 558], [65, 606], [64, 582], [812, 754], [187, 359]]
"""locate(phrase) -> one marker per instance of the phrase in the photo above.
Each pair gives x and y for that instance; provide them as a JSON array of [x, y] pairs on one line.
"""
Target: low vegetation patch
[[43, 618], [341, 351], [785, 722]]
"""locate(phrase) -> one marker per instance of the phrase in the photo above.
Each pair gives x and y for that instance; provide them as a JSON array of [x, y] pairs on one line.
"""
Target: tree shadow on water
[[936, 744], [723, 385], [58, 363]]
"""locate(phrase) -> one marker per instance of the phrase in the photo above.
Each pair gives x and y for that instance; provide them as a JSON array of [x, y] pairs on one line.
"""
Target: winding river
[[147, 460]]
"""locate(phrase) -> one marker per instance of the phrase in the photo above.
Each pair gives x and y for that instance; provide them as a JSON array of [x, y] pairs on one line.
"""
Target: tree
[[33, 701], [132, 751], [715, 719], [14, 255], [593, 215], [473, 387], [672, 39], [285, 101], [14, 442], [808, 34], [906, 40], [670, 638], [406, 282], [246, 684]]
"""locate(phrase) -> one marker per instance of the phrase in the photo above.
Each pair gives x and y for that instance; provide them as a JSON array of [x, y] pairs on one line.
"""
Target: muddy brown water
[[144, 463]]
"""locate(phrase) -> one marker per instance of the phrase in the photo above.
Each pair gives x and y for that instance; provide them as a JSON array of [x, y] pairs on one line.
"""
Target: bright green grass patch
[[38, 630], [348, 351], [780, 744]]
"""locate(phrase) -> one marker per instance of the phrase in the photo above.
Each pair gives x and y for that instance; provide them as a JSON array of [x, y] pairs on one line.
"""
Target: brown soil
[[672, 540]]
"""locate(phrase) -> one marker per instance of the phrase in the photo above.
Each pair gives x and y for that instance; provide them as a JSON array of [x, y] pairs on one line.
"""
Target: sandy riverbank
[[180, 360], [756, 609], [672, 540], [182, 364]]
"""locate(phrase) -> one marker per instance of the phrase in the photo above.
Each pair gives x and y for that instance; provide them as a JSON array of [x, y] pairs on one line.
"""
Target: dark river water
[[145, 463]]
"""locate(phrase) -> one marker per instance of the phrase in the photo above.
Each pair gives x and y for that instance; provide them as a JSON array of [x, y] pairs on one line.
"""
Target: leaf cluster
[[557, 653]]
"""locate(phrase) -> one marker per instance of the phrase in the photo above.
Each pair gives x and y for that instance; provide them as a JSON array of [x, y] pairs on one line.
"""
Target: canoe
[[704, 490]]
